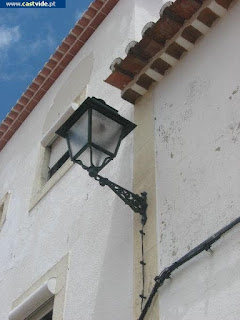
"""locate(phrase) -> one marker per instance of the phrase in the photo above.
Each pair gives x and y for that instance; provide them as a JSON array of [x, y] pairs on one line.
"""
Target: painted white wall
[[197, 131], [77, 215], [145, 14]]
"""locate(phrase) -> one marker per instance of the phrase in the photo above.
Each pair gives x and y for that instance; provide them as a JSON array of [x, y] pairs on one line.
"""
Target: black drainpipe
[[166, 273]]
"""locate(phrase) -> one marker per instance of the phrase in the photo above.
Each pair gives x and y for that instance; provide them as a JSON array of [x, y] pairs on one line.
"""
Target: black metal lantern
[[94, 133]]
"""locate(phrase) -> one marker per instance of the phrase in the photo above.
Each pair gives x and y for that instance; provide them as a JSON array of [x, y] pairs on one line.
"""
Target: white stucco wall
[[76, 215], [198, 175]]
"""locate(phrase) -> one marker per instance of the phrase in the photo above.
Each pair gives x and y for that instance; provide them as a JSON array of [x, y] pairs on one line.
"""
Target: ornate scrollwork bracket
[[136, 202]]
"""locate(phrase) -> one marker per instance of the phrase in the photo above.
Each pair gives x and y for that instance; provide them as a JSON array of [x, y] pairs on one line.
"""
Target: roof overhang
[[182, 23]]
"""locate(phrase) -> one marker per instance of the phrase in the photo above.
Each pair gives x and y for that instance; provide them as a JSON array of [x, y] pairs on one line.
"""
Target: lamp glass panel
[[85, 157], [98, 157], [105, 132], [78, 134]]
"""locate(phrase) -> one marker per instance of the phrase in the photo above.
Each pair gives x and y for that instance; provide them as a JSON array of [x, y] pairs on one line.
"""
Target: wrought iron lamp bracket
[[136, 202]]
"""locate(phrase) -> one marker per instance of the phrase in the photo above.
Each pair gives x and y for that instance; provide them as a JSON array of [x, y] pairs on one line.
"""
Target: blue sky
[[27, 39]]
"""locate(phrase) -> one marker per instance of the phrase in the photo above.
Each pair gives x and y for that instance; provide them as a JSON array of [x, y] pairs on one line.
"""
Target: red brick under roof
[[77, 37]]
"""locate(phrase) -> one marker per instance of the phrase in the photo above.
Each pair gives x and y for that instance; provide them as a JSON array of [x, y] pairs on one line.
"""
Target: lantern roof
[[100, 106]]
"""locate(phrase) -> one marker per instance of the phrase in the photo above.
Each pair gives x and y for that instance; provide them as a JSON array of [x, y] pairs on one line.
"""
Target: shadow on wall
[[114, 297], [69, 91]]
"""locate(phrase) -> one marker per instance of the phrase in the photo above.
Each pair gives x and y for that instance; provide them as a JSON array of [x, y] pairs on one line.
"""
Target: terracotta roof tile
[[90, 13], [50, 64], [23, 100], [147, 47], [145, 81], [16, 125], [163, 43], [3, 127], [63, 55], [66, 60], [39, 94], [131, 96], [70, 39], [120, 79], [8, 121], [76, 47], [40, 78], [34, 86], [56, 73], [47, 84], [86, 34], [97, 20], [28, 93], [8, 135], [23, 115], [18, 107], [224, 3], [64, 47], [185, 8], [2, 143], [13, 114], [77, 30], [31, 105], [83, 22], [207, 17], [97, 4], [109, 6]]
